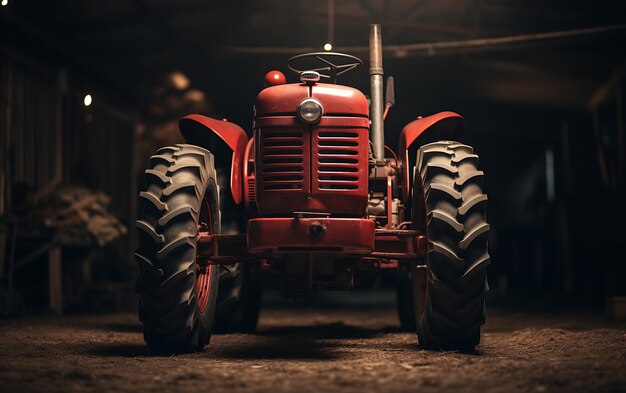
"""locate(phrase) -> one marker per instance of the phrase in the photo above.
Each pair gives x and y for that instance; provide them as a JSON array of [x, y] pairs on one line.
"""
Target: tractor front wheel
[[177, 291], [448, 294]]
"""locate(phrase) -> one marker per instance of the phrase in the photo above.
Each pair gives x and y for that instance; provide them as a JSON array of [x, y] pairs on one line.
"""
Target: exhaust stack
[[377, 133]]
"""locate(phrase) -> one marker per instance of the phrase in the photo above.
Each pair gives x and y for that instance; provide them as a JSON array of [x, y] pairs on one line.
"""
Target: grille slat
[[283, 169], [281, 144], [339, 151], [337, 176], [338, 134], [338, 143], [282, 160], [281, 152], [335, 167], [274, 161], [338, 162]]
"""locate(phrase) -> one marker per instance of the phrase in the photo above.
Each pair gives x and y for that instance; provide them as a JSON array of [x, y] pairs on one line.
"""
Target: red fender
[[440, 126], [194, 129]]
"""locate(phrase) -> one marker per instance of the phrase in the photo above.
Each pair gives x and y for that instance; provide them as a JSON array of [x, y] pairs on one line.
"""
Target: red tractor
[[312, 196]]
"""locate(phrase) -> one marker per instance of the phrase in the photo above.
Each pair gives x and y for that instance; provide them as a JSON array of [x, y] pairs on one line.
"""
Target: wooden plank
[[54, 280]]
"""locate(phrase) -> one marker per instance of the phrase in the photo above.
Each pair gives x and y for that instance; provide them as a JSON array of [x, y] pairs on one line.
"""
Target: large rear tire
[[450, 207], [239, 298], [177, 292]]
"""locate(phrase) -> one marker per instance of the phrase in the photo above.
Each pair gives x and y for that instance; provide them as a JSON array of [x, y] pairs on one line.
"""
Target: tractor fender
[[441, 126], [201, 130]]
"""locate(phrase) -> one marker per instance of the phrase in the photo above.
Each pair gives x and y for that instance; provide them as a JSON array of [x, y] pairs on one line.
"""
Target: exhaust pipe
[[377, 133]]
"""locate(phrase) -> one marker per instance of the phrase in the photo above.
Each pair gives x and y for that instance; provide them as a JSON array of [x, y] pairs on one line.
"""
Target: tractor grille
[[282, 160], [321, 168], [251, 191], [338, 160]]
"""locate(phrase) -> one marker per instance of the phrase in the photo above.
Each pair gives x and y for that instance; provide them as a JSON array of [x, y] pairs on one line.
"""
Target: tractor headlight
[[310, 110]]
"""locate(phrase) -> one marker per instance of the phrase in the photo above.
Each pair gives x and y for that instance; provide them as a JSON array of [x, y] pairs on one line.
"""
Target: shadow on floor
[[120, 327], [308, 342], [296, 342], [123, 350], [335, 330], [288, 348]]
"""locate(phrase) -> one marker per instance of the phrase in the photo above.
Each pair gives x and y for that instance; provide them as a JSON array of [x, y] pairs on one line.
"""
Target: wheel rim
[[204, 269]]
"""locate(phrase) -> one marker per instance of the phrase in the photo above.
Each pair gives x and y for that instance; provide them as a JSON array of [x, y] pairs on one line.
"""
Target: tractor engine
[[311, 147]]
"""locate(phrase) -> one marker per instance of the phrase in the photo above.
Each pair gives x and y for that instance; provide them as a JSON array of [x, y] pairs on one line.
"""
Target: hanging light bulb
[[328, 47], [87, 100]]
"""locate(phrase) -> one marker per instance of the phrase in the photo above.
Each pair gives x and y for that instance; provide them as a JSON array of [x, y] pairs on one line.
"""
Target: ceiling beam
[[92, 29]]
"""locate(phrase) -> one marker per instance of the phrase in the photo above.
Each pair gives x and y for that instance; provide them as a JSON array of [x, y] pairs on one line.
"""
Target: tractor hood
[[336, 100], [317, 166]]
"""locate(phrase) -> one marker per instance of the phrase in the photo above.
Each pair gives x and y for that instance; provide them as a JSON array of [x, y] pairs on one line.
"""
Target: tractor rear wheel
[[177, 291], [239, 298], [450, 207]]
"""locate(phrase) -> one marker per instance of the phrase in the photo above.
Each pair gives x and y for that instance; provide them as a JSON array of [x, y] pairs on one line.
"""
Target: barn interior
[[91, 89]]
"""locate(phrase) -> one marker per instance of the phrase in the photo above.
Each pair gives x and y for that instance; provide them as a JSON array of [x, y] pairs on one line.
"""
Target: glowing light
[[328, 47], [5, 2], [179, 80], [195, 95], [87, 100]]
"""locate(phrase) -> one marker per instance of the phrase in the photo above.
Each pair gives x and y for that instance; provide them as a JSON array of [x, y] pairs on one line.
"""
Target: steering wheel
[[328, 64]]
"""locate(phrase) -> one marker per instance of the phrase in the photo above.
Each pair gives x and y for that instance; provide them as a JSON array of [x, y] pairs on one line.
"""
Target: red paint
[[450, 124], [440, 126], [322, 168], [336, 99], [341, 186], [340, 100], [319, 168], [274, 78], [421, 246], [289, 235], [194, 127], [280, 99], [203, 272], [342, 235]]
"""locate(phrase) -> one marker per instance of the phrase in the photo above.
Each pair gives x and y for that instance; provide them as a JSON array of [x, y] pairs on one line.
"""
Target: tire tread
[[166, 253], [457, 283]]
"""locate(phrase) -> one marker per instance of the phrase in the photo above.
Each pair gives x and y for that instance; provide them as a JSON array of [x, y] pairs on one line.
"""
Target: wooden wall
[[49, 138]]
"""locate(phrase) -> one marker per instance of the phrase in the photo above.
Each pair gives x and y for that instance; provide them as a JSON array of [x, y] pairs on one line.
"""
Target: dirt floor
[[317, 350]]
